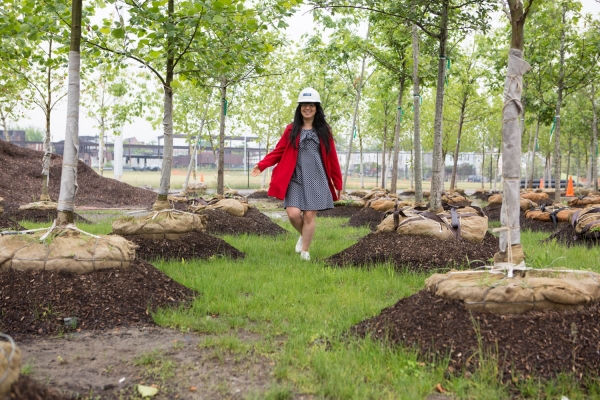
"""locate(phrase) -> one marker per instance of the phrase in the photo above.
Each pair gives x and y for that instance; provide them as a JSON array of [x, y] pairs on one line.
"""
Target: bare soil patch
[[417, 253], [340, 212], [537, 343], [106, 365], [36, 303], [21, 183], [189, 246], [39, 216]]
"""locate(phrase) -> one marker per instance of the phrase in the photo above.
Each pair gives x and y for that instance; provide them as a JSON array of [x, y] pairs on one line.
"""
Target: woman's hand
[[255, 171]]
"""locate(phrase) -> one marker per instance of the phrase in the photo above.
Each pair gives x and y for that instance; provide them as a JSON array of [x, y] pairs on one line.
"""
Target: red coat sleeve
[[275, 156], [334, 166]]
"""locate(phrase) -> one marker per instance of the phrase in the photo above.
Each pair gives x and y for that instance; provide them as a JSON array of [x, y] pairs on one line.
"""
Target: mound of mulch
[[189, 246], [260, 194], [539, 226], [9, 223], [26, 388], [536, 343], [39, 216], [568, 237], [21, 172], [254, 222], [35, 303], [340, 212], [417, 253], [492, 211], [366, 216]]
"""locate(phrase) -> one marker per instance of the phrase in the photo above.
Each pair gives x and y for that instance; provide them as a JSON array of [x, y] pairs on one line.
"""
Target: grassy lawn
[[301, 310]]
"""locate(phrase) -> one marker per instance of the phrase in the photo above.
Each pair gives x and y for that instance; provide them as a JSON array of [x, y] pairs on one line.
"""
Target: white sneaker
[[305, 256], [299, 245]]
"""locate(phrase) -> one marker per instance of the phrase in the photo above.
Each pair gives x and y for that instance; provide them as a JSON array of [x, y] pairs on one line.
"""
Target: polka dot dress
[[308, 189]]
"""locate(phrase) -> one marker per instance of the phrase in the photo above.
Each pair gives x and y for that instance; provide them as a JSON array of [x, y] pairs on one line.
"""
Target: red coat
[[285, 156]]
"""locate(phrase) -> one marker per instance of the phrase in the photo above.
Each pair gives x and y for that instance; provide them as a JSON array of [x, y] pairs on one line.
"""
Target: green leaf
[[118, 33], [105, 30], [175, 84], [218, 19], [155, 54]]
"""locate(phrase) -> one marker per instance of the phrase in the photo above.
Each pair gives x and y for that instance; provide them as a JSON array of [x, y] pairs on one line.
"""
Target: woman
[[308, 176]]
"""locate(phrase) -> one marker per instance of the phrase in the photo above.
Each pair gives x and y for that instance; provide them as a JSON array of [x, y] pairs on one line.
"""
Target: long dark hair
[[319, 124]]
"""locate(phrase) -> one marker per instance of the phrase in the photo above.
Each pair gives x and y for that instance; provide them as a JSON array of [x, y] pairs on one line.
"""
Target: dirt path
[[110, 364]]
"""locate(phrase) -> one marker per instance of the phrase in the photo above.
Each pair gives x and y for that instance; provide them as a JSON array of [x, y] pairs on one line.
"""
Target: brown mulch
[[536, 343], [417, 253], [259, 194], [35, 303], [189, 246], [26, 388], [39, 216], [9, 223], [568, 237], [366, 216], [340, 212], [254, 222], [21, 172]]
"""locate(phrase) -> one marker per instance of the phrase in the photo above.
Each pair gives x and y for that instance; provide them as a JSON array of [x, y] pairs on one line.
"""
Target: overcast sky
[[300, 23]]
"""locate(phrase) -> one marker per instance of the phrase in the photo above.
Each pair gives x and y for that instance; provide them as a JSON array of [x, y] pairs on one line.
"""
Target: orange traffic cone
[[570, 190], [201, 178], [541, 183]]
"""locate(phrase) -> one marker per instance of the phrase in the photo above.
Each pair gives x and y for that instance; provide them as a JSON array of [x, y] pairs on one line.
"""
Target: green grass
[[296, 314]]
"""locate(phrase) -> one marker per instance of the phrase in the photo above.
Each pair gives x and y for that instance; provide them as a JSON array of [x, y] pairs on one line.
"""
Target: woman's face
[[308, 110]]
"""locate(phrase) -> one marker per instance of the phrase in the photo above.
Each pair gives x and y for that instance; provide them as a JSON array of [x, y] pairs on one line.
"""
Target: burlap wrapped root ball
[[233, 207], [473, 225], [65, 250], [586, 222], [384, 204], [586, 201], [537, 290], [561, 214], [10, 366], [170, 224], [39, 205]]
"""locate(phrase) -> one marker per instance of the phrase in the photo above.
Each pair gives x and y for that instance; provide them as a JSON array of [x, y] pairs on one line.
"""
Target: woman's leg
[[308, 228], [295, 217]]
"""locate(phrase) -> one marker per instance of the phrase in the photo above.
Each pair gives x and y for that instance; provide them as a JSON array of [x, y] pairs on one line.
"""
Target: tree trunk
[[101, 147], [354, 116], [594, 153], [535, 143], [221, 160], [417, 163], [47, 144], [383, 163], [435, 197], [394, 183], [569, 155], [559, 98], [68, 182], [3, 117], [529, 159], [362, 171], [194, 156], [510, 234], [461, 120], [482, 166], [162, 202]]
